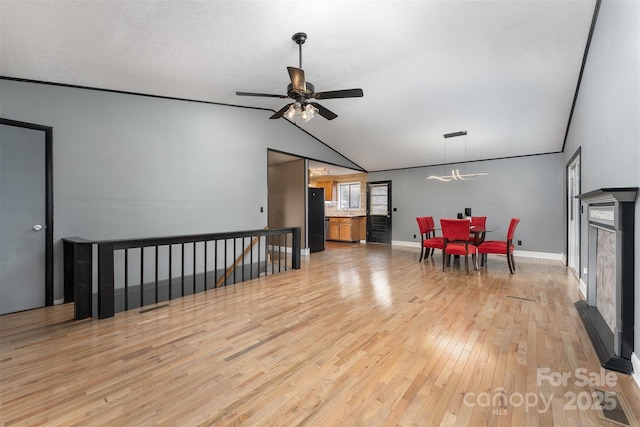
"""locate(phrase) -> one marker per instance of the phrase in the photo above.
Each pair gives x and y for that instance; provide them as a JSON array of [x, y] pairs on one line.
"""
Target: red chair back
[[423, 224], [455, 229], [432, 225], [512, 228], [479, 221], [456, 235], [501, 246], [427, 233]]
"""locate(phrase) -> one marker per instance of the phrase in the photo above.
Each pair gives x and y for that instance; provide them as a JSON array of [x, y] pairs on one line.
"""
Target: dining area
[[466, 236]]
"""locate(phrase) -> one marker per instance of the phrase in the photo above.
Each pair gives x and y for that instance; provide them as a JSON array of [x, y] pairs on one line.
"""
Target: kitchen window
[[349, 195]]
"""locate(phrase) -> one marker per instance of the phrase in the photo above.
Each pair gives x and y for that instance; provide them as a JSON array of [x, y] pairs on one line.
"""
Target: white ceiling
[[505, 71]]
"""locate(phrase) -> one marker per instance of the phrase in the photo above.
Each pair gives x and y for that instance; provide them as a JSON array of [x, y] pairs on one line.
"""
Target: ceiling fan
[[303, 93]]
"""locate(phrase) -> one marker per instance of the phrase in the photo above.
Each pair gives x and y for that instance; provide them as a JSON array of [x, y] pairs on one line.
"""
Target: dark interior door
[[379, 212]]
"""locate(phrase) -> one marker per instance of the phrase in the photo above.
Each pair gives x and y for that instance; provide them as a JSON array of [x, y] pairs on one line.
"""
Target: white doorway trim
[[573, 174]]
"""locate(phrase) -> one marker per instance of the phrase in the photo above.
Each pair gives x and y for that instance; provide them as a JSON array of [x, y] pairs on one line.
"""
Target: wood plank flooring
[[362, 335]]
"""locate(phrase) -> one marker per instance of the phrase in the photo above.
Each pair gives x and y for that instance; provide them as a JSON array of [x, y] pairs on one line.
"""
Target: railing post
[[106, 297], [295, 256], [78, 262]]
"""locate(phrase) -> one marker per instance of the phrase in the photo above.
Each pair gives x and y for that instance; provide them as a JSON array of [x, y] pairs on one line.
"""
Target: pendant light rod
[[453, 134]]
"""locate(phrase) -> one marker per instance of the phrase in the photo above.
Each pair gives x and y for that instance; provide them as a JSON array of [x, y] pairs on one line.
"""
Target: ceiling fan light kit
[[455, 173], [302, 92], [306, 113]]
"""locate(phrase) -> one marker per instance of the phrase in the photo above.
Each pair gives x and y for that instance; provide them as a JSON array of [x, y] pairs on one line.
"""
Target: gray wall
[[606, 121], [529, 188], [136, 166]]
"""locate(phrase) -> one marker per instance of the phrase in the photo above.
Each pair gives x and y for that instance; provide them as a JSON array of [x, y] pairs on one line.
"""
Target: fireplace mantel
[[609, 321], [604, 195]]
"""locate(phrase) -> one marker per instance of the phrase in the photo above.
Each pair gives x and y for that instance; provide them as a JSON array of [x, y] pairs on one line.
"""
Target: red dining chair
[[456, 241], [501, 247], [478, 221], [434, 242], [423, 227], [427, 236]]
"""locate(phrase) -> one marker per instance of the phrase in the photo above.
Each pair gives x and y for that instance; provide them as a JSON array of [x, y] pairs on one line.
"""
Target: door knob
[[37, 227]]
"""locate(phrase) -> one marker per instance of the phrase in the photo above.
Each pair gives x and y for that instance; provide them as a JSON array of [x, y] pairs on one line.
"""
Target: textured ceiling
[[505, 71]]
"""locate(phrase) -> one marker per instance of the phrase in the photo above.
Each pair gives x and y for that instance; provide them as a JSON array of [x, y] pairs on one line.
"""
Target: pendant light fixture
[[455, 173]]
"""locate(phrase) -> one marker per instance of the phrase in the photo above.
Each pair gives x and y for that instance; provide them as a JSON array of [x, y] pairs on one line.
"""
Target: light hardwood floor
[[362, 335]]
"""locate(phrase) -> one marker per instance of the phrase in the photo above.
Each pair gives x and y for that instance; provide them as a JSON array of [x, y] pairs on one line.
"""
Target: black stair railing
[[133, 273]]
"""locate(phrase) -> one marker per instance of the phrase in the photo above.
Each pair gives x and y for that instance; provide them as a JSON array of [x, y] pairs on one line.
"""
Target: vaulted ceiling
[[504, 71]]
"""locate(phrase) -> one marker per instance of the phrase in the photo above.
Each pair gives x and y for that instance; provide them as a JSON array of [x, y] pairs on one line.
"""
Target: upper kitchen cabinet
[[328, 188]]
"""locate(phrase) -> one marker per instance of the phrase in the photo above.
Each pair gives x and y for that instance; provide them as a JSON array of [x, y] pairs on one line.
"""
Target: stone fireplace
[[607, 312]]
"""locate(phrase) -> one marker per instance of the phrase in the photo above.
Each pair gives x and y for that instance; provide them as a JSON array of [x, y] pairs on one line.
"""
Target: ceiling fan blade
[[327, 114], [345, 93], [261, 94], [281, 112], [297, 79]]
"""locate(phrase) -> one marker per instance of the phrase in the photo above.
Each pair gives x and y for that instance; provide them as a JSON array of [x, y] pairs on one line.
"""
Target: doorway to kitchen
[[288, 178]]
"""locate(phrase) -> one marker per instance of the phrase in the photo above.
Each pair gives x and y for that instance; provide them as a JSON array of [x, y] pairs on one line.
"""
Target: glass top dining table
[[479, 233]]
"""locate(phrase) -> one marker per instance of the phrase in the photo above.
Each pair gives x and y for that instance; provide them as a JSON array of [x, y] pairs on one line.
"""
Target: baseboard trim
[[541, 255], [582, 287], [405, 244]]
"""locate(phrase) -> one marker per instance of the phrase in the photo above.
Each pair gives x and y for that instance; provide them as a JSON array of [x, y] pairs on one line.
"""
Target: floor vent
[[521, 298], [615, 408], [152, 308]]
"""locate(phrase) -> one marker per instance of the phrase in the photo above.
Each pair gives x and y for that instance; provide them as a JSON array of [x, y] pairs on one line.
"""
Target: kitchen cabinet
[[328, 188], [334, 229], [347, 231], [344, 229]]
